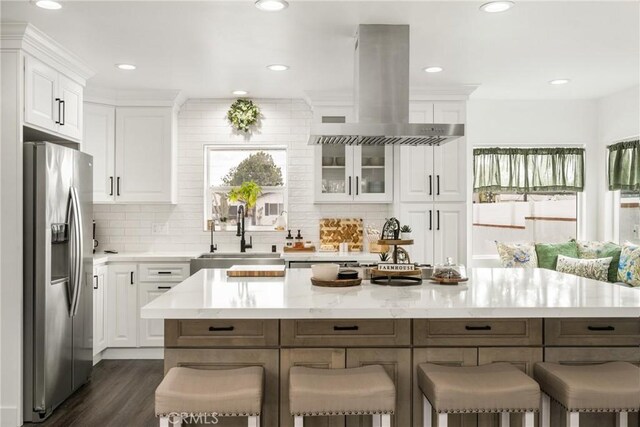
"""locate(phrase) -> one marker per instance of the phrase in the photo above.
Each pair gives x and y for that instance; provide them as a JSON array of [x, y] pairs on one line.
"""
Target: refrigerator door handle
[[77, 250]]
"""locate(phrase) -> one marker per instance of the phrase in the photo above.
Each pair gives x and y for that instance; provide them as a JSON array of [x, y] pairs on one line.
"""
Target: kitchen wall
[[201, 122]]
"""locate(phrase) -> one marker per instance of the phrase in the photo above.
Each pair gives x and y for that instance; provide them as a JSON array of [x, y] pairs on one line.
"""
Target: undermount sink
[[228, 259]]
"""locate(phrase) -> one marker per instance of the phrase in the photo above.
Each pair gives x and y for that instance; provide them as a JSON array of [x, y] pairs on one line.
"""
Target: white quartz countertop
[[330, 256], [101, 258], [489, 293]]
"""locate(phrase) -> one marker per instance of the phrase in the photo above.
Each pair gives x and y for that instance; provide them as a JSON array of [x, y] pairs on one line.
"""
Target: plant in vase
[[223, 223], [405, 232], [384, 256]]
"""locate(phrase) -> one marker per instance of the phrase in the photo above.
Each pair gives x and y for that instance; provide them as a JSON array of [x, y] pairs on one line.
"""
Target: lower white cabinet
[[100, 332], [151, 331], [122, 313], [439, 231]]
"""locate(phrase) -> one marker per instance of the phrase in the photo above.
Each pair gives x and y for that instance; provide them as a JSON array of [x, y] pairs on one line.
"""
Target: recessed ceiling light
[[559, 81], [240, 92], [278, 67], [48, 4], [433, 69], [497, 6], [127, 67], [271, 5]]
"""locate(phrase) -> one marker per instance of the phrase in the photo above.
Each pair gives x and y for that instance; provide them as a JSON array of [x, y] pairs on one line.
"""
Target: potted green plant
[[247, 193], [405, 232], [384, 256]]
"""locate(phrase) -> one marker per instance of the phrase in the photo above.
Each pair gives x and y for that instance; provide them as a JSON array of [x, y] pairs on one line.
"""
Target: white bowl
[[325, 271]]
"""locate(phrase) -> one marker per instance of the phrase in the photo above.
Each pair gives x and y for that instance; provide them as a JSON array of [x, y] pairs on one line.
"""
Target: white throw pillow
[[597, 269]]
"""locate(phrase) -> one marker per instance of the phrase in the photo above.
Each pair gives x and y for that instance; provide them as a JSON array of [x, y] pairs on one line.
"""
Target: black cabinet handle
[[164, 287], [478, 328], [430, 219], [601, 328], [118, 186], [111, 185], [221, 328], [345, 328], [438, 219], [59, 115], [64, 113], [95, 282], [357, 185], [431, 185], [349, 185], [437, 185], [164, 272], [132, 277]]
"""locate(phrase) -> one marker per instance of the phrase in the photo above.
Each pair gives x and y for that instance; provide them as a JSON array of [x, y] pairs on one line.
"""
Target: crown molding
[[135, 98], [26, 37]]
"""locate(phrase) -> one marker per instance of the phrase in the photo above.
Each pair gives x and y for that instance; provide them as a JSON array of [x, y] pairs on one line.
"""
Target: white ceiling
[[208, 49]]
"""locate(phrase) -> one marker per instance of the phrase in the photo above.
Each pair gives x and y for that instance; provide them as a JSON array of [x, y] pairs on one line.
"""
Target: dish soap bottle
[[299, 241], [288, 241]]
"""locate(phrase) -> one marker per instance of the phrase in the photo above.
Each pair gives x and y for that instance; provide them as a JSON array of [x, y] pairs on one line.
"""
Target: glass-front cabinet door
[[373, 170], [334, 173]]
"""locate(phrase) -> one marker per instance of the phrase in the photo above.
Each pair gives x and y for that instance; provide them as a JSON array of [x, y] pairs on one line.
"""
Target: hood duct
[[381, 96]]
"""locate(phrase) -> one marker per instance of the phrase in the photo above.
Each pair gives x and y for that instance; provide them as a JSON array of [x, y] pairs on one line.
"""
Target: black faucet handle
[[250, 245]]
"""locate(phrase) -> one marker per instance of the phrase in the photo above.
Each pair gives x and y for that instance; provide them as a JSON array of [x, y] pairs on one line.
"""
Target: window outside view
[[629, 225], [227, 169]]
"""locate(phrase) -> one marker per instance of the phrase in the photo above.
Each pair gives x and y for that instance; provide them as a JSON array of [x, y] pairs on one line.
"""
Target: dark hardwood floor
[[120, 393]]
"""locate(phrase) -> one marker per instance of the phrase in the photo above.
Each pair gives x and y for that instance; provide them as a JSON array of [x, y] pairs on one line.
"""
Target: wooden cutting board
[[256, 271], [334, 231]]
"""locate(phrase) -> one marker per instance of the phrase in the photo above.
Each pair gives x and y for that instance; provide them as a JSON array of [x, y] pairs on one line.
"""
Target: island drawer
[[345, 332], [221, 333], [477, 332], [594, 331]]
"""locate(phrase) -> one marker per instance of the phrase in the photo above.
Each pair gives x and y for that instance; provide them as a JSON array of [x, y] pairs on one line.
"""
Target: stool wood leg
[[622, 419], [505, 420], [426, 412], [442, 420], [528, 419], [298, 422], [545, 411], [573, 419], [253, 421], [164, 421]]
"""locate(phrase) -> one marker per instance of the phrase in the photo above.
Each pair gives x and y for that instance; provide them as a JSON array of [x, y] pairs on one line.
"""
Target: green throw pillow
[[592, 250], [548, 253]]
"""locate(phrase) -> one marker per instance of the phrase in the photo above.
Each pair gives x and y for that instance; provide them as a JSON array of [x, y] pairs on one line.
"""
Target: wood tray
[[444, 281], [398, 242], [343, 283], [256, 271], [311, 249]]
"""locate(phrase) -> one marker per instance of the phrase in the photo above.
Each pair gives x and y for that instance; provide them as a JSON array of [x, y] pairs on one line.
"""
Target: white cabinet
[[435, 173], [99, 141], [122, 312], [134, 148], [99, 309], [53, 102], [346, 174], [439, 231], [151, 333]]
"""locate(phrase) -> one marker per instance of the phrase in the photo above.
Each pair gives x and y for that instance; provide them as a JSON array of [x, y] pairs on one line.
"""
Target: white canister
[[343, 247]]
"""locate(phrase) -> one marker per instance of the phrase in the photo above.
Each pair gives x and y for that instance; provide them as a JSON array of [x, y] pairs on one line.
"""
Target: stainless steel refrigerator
[[58, 268]]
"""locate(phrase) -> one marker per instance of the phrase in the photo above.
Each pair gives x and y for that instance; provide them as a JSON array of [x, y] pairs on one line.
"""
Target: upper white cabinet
[[134, 153], [53, 102], [353, 174], [435, 173]]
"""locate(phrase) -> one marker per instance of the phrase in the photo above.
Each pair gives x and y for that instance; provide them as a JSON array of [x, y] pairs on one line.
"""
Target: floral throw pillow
[[591, 250], [597, 269], [629, 266], [521, 255]]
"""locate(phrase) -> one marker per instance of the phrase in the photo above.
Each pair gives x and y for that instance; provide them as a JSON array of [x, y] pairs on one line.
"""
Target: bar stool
[[494, 388], [606, 387], [197, 393], [366, 390]]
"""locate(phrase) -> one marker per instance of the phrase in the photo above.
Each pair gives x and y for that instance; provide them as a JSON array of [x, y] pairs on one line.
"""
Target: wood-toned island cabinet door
[[209, 358], [326, 358], [442, 356], [397, 363], [524, 358]]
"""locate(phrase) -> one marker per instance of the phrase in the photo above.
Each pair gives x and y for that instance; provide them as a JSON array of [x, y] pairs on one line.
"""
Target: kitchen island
[[514, 315]]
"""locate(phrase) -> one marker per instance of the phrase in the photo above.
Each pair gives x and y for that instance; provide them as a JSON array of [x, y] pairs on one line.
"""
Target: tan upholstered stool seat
[[357, 391], [606, 387], [226, 392], [497, 387]]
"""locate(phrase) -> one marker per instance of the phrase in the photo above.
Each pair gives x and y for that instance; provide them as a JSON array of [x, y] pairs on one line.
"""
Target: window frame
[[206, 148]]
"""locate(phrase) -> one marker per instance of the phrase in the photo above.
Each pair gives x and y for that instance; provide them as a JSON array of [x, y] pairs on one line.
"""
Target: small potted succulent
[[223, 223], [405, 232], [384, 256]]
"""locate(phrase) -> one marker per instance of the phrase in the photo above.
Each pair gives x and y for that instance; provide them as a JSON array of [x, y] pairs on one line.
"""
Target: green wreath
[[243, 114]]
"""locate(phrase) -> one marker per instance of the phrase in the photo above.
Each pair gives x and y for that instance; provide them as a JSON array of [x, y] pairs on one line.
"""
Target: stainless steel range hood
[[382, 96]]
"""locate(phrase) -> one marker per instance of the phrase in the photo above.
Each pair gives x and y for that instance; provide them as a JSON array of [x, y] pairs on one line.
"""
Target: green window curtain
[[528, 170], [624, 165]]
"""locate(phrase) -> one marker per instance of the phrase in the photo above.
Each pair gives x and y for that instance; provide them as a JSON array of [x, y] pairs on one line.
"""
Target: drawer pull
[[601, 328], [478, 328], [345, 328], [221, 328], [164, 287], [165, 272]]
